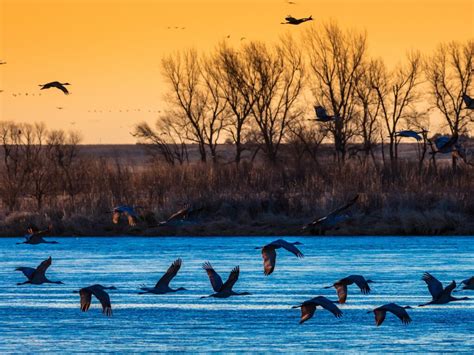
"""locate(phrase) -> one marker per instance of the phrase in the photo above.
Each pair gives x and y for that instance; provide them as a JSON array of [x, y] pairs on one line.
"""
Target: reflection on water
[[48, 318]]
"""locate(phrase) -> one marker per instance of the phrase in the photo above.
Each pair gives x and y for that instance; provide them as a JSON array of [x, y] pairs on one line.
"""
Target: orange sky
[[110, 50]]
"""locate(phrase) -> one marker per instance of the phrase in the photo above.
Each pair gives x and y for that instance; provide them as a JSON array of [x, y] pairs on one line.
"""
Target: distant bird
[[37, 276], [409, 134], [223, 290], [99, 292], [290, 20], [60, 108], [57, 85], [127, 211], [291, 3], [439, 294], [445, 144], [35, 236], [468, 284], [2, 62], [400, 312], [162, 286], [469, 101], [269, 253], [242, 38], [339, 215], [309, 307], [341, 286], [182, 214], [322, 115]]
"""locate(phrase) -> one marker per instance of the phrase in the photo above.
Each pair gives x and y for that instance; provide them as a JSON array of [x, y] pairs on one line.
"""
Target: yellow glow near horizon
[[110, 50]]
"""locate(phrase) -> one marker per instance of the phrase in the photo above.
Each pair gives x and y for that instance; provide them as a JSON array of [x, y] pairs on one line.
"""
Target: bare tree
[[335, 57]]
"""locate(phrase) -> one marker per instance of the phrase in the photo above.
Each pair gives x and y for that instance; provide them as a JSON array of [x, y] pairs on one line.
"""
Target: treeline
[[262, 95]]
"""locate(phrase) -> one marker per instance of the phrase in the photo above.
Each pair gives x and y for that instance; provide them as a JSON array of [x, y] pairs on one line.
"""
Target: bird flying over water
[[222, 290], [400, 312], [341, 286], [182, 214], [468, 284], [309, 307], [37, 276], [440, 294], [469, 101], [162, 286], [128, 211], [35, 236], [57, 85], [269, 253], [99, 292], [290, 20]]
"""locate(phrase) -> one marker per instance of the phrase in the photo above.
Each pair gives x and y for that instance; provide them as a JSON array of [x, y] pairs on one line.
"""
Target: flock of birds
[[439, 294]]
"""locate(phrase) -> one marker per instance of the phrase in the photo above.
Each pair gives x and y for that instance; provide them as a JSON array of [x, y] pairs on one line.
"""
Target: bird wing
[[62, 88], [86, 299], [179, 214], [216, 281], [400, 312], [104, 299], [269, 259], [341, 293], [233, 277], [469, 281], [115, 217], [450, 287], [361, 282], [27, 271], [444, 143], [434, 286], [41, 269], [169, 274], [288, 246], [344, 207], [321, 112], [328, 305], [379, 316], [307, 311]]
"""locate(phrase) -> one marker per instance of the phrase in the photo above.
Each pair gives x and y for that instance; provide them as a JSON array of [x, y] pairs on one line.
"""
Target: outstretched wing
[[328, 305], [269, 260], [62, 88], [288, 246], [344, 207], [169, 274], [104, 299], [216, 281], [86, 299], [41, 269], [434, 286], [179, 214], [233, 277], [400, 312], [27, 271], [450, 287], [361, 282]]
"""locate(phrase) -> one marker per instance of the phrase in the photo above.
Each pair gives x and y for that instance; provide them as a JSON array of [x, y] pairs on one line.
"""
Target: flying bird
[[339, 215], [341, 286], [222, 290], [37, 276], [445, 144], [290, 20], [269, 253], [322, 115], [469, 101], [2, 62], [57, 85], [468, 284], [400, 312], [128, 211], [35, 236], [409, 134], [182, 214], [162, 286], [309, 307], [99, 292], [440, 294]]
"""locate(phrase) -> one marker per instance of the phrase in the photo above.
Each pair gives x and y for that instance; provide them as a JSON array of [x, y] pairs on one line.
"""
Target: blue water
[[48, 318]]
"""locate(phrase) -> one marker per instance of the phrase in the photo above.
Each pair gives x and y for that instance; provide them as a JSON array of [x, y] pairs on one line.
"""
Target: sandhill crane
[[469, 101], [290, 20], [468, 284], [162, 286], [35, 236], [409, 134], [269, 253], [341, 286], [37, 276], [400, 312], [223, 290], [445, 144], [339, 215], [128, 211], [99, 292], [322, 115], [309, 307], [182, 214], [57, 85], [2, 62], [439, 294]]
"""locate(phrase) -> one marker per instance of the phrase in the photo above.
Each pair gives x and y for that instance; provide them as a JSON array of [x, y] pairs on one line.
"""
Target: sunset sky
[[110, 50]]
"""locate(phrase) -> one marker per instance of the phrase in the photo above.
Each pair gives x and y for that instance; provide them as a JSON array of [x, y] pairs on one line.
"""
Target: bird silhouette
[[290, 20], [222, 290], [269, 253], [162, 286], [469, 101], [341, 286], [128, 211], [322, 115], [445, 144], [400, 312], [2, 62], [181, 214], [57, 85], [409, 134], [37, 276], [99, 292], [339, 215], [309, 307], [35, 236], [440, 294], [468, 284]]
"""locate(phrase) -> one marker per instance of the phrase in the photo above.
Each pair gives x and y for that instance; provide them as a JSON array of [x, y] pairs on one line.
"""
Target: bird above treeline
[[269, 253], [341, 286], [37, 276], [290, 20], [57, 85], [400, 312], [35, 236], [440, 294], [99, 293], [309, 307], [162, 286], [222, 290]]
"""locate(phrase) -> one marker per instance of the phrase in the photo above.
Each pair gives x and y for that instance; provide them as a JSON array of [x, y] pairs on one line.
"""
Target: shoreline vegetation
[[261, 139]]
